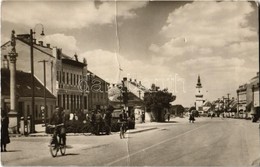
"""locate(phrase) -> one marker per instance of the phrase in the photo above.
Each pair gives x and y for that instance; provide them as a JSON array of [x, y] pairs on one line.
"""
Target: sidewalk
[[139, 127]]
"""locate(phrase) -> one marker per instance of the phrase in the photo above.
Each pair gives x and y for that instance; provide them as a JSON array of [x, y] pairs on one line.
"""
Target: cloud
[[103, 63], [106, 65], [215, 27], [67, 14], [212, 63], [67, 43]]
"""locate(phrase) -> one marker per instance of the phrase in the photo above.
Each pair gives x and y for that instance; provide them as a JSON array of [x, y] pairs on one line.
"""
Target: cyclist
[[58, 118], [123, 120]]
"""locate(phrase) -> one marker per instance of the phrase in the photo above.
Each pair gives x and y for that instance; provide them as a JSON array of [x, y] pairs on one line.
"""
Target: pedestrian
[[168, 116], [71, 116], [93, 122], [99, 122], [191, 118], [107, 119], [143, 117], [4, 130]]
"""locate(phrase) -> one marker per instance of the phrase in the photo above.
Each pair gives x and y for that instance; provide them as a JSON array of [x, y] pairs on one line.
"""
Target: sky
[[168, 43]]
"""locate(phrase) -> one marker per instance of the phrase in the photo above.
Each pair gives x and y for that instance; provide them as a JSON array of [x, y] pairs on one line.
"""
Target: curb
[[141, 130], [45, 134]]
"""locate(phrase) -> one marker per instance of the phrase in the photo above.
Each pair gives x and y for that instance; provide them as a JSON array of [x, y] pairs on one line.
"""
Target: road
[[207, 142]]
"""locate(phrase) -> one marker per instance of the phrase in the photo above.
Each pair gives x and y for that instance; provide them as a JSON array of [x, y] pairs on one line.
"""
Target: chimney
[[140, 83], [59, 52], [41, 43], [48, 45], [76, 57], [124, 79], [135, 80], [130, 79]]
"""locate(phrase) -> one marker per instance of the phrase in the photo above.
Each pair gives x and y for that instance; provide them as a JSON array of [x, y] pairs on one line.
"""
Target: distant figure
[[191, 118], [108, 119], [76, 117], [4, 130], [143, 117], [99, 121], [71, 117]]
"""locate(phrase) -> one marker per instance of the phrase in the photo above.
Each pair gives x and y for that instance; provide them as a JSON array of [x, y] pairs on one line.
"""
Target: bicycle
[[87, 129], [55, 145], [123, 129]]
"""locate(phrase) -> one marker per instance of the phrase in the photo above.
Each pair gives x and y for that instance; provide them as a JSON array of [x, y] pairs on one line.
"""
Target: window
[[71, 78], [71, 102], [74, 79], [63, 102], [63, 77], [57, 79], [68, 102], [67, 78]]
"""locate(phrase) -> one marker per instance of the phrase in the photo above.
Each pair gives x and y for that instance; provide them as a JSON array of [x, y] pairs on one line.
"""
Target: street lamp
[[32, 32], [44, 92]]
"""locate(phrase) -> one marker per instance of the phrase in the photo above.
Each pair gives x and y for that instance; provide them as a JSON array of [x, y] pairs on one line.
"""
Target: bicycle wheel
[[54, 149], [62, 148]]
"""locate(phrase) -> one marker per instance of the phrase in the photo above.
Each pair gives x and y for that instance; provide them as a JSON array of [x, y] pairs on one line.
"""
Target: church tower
[[199, 96]]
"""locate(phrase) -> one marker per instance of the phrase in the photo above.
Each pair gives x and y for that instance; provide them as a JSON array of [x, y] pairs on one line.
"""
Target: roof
[[23, 85], [73, 62], [25, 38]]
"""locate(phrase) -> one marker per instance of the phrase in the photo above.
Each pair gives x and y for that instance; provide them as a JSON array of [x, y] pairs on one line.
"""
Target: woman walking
[[4, 130]]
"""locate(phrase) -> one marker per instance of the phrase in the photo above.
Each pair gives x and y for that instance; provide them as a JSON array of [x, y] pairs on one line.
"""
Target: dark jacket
[[58, 117], [4, 130], [123, 117]]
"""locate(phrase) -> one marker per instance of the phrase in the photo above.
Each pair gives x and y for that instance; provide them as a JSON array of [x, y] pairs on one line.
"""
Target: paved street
[[207, 142]]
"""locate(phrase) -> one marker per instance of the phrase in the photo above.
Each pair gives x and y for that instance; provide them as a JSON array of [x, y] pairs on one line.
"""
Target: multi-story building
[[248, 97], [64, 76], [242, 98]]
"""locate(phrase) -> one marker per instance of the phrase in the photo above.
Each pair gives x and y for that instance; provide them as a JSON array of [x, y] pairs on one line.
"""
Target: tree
[[156, 101]]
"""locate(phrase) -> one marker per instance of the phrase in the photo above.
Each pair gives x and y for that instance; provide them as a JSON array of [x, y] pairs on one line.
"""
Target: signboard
[[256, 98]]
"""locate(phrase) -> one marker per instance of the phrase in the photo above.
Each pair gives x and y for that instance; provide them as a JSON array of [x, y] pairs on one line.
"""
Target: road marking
[[142, 150]]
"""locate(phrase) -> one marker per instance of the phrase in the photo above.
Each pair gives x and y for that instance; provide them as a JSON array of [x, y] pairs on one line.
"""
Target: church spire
[[198, 84]]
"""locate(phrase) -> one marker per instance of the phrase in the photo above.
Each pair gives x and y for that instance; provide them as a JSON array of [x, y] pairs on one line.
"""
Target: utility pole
[[32, 74], [44, 92], [32, 80]]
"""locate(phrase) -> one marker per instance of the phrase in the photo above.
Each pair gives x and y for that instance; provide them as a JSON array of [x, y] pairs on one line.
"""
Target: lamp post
[[32, 75], [44, 92]]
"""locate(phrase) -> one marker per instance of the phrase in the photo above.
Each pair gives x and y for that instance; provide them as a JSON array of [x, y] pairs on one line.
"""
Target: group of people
[[101, 122]]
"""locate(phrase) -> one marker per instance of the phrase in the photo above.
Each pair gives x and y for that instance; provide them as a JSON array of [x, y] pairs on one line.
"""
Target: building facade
[[248, 98], [23, 96], [67, 79]]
